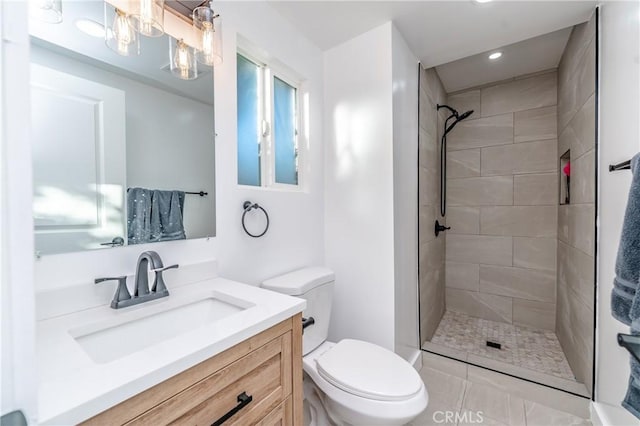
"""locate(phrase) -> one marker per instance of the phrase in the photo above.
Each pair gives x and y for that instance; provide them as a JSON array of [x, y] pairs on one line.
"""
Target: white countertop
[[72, 387]]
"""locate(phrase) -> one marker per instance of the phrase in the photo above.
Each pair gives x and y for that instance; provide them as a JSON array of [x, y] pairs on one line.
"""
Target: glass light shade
[[147, 17], [120, 36], [183, 60], [208, 29], [49, 11]]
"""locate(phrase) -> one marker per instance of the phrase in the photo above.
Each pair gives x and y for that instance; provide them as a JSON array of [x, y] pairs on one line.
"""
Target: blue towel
[[154, 215], [625, 297]]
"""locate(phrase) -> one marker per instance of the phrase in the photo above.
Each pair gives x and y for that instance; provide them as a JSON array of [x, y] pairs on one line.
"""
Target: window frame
[[270, 69]]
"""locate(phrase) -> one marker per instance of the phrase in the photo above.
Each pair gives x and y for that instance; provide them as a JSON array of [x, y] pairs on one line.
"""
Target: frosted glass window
[[284, 131], [248, 76]]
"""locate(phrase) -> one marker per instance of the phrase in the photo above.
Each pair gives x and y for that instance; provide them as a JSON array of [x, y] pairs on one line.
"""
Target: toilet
[[350, 382]]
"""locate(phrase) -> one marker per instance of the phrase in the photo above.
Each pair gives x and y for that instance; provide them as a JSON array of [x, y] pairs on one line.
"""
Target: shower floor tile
[[523, 347]]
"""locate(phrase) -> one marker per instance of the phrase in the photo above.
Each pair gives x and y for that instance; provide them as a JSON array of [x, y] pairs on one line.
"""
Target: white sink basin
[[110, 340]]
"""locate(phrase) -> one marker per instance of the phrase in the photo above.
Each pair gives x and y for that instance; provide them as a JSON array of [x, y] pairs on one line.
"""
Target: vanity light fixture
[[147, 17], [182, 58], [120, 36], [209, 31], [49, 11], [495, 55]]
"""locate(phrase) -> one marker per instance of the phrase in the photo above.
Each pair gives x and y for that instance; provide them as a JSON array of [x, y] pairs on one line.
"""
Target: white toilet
[[352, 382]]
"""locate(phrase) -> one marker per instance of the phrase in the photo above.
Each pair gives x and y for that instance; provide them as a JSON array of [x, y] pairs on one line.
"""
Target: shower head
[[465, 115], [458, 118]]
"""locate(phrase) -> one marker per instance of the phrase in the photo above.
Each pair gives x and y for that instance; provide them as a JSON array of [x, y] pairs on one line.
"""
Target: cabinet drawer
[[264, 375], [282, 415]]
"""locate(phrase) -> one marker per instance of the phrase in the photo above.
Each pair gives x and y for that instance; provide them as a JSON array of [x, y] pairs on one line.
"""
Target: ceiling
[[525, 57], [438, 32], [150, 67]]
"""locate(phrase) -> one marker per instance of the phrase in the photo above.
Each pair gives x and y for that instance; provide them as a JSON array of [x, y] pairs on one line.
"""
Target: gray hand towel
[[625, 297], [166, 221], [627, 278], [138, 215]]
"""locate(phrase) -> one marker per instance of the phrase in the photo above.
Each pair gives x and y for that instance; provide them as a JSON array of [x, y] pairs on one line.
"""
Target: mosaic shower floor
[[523, 347]]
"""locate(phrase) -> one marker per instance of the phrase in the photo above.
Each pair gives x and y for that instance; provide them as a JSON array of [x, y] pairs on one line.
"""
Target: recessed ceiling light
[[89, 27], [495, 55], [482, 1]]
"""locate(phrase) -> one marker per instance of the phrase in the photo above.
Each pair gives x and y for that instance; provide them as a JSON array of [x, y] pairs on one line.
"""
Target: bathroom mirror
[[123, 150]]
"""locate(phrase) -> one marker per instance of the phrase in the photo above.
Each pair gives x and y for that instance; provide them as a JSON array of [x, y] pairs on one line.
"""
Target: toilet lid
[[369, 371]]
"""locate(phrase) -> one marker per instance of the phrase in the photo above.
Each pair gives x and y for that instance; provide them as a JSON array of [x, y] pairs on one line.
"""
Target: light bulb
[[183, 60], [122, 32], [208, 34]]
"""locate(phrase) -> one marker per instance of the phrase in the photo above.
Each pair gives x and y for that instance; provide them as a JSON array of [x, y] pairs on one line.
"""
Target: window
[[268, 122]]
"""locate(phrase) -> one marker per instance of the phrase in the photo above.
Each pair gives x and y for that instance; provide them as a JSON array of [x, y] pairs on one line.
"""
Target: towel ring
[[248, 206]]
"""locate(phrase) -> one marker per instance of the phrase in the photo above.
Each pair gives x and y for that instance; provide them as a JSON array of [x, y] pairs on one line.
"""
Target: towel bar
[[631, 343], [625, 165]]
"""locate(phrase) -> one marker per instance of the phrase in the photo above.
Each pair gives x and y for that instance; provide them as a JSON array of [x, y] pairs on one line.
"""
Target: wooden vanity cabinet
[[256, 382]]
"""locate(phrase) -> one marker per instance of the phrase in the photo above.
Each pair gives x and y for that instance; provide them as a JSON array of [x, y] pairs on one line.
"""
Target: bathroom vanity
[[215, 350], [258, 381]]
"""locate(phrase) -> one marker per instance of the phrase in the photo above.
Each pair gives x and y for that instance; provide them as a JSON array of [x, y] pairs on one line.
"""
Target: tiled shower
[[516, 269]]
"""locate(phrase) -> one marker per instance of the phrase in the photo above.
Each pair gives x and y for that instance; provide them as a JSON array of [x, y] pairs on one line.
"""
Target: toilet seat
[[369, 371], [346, 407]]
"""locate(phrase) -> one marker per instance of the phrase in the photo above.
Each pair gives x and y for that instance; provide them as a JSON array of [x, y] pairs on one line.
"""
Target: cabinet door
[[78, 141]]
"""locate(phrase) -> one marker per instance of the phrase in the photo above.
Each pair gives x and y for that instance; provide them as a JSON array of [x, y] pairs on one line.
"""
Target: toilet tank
[[315, 285]]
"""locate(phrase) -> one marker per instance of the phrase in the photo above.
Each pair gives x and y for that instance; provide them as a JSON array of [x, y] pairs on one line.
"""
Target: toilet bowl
[[350, 382]]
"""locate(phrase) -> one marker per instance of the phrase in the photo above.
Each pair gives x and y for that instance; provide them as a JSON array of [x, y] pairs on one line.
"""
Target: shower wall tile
[[529, 284], [479, 249], [576, 222], [428, 186], [432, 254], [534, 314], [563, 222], [519, 221], [576, 89], [487, 306], [466, 101], [432, 301], [480, 191], [535, 253], [583, 172], [519, 95], [582, 222], [576, 271], [537, 189], [463, 220], [535, 124], [426, 219], [579, 134], [463, 276], [480, 132], [465, 163], [526, 157]]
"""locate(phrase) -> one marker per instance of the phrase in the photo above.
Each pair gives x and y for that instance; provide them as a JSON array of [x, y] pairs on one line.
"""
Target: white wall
[[359, 239], [295, 237], [17, 351], [619, 141], [405, 195]]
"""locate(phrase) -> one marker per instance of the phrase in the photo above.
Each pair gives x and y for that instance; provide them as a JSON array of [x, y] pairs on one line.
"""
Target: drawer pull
[[243, 400]]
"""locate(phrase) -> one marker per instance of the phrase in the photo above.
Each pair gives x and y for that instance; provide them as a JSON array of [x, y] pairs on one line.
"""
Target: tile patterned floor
[[537, 350], [467, 395]]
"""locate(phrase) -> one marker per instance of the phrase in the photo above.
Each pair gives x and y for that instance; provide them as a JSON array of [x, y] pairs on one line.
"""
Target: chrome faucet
[[142, 292]]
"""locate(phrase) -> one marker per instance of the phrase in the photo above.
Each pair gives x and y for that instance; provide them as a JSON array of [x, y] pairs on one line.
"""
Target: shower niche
[[565, 178]]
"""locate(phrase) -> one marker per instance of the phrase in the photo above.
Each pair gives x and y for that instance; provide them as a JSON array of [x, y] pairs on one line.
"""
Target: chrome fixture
[[149, 261]]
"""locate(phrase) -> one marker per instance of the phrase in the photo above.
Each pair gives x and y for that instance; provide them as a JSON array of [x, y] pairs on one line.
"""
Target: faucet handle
[[164, 268], [122, 292], [158, 284]]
